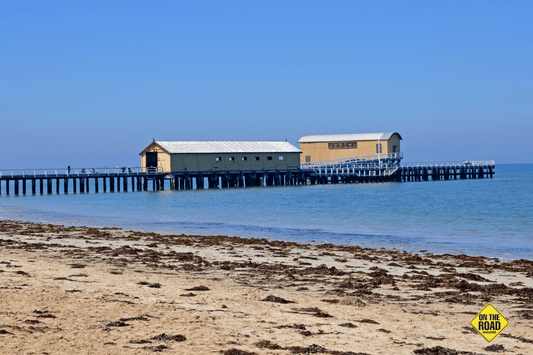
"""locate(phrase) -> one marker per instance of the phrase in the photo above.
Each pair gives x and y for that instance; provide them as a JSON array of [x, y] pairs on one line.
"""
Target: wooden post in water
[[74, 185], [111, 184], [16, 186], [87, 184], [125, 178], [41, 186], [82, 185], [57, 186], [118, 184], [24, 186], [96, 184], [65, 185], [104, 182], [33, 191], [7, 187]]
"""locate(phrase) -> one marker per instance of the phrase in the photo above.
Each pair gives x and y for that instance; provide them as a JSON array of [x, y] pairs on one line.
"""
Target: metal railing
[[40, 173], [362, 159], [450, 163]]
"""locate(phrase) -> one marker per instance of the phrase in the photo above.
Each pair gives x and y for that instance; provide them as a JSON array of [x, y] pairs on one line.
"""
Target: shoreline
[[345, 298], [432, 249]]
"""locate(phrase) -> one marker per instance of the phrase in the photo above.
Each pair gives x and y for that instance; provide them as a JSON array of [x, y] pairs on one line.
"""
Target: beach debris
[[367, 321], [237, 352], [5, 332], [190, 294], [331, 301], [141, 317], [156, 348], [77, 266], [167, 337], [276, 299], [43, 314], [435, 338], [348, 325], [314, 311], [352, 301], [152, 285], [519, 338], [495, 348], [295, 326], [23, 273], [32, 321], [384, 330], [117, 324], [439, 350], [198, 288], [142, 341], [38, 329], [267, 344]]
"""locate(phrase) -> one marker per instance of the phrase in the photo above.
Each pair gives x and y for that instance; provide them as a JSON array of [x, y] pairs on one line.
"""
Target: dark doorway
[[151, 160]]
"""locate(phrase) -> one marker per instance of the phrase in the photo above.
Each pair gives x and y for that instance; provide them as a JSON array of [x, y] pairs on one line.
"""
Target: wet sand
[[80, 290]]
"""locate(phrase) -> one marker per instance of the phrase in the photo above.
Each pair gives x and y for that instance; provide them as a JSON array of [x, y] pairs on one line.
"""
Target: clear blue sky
[[91, 83]]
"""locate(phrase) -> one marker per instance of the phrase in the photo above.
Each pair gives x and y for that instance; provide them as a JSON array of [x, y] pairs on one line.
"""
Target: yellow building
[[200, 156], [337, 146]]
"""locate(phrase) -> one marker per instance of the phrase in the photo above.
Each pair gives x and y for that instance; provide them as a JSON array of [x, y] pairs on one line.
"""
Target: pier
[[377, 168]]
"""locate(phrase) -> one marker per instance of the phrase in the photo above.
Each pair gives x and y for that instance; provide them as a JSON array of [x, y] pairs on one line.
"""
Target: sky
[[92, 83]]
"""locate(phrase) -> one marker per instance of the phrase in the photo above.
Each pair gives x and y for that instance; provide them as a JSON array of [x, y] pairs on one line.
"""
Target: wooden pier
[[372, 169], [446, 171]]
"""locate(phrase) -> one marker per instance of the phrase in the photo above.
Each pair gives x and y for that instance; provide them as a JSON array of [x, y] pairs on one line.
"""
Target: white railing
[[46, 173], [361, 159], [450, 163]]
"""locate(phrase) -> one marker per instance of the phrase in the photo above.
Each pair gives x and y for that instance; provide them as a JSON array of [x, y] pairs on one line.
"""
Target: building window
[[335, 146], [378, 148], [395, 149], [307, 158], [218, 159], [231, 158], [244, 158], [256, 158], [269, 158], [330, 145], [354, 145], [280, 157]]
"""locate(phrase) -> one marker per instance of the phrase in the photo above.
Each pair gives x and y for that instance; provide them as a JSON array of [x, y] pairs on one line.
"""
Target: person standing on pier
[[68, 169]]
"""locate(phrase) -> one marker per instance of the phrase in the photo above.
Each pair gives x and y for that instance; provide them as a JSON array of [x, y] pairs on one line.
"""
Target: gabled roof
[[347, 137], [185, 147]]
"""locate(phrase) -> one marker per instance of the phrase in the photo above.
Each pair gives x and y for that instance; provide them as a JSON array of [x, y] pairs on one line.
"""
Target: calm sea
[[491, 217]]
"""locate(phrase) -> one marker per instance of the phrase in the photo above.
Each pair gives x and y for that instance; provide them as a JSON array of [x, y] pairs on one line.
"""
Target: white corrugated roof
[[227, 147], [347, 137]]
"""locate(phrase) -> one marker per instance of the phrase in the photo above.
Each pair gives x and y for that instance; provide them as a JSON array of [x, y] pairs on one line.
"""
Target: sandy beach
[[80, 290]]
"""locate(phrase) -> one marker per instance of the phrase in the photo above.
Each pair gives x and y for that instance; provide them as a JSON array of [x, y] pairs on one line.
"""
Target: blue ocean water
[[491, 217]]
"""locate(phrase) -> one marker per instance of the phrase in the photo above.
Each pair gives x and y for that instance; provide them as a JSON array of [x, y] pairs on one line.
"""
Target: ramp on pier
[[370, 168]]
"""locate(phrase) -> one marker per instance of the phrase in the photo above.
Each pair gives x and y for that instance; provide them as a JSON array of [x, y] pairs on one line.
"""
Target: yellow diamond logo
[[489, 322]]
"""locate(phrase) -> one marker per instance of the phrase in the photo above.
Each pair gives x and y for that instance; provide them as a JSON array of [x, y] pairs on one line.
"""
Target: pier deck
[[369, 169]]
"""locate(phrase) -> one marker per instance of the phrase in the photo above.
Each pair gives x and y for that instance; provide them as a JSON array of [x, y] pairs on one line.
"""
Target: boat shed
[[338, 146], [200, 156]]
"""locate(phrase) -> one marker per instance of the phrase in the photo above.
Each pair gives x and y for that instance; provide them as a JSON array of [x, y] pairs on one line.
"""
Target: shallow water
[[492, 217]]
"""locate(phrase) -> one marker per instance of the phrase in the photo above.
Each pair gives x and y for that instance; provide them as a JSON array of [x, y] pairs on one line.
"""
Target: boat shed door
[[151, 160]]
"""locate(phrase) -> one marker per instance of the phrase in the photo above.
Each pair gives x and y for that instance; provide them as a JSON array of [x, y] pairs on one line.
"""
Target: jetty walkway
[[369, 169]]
